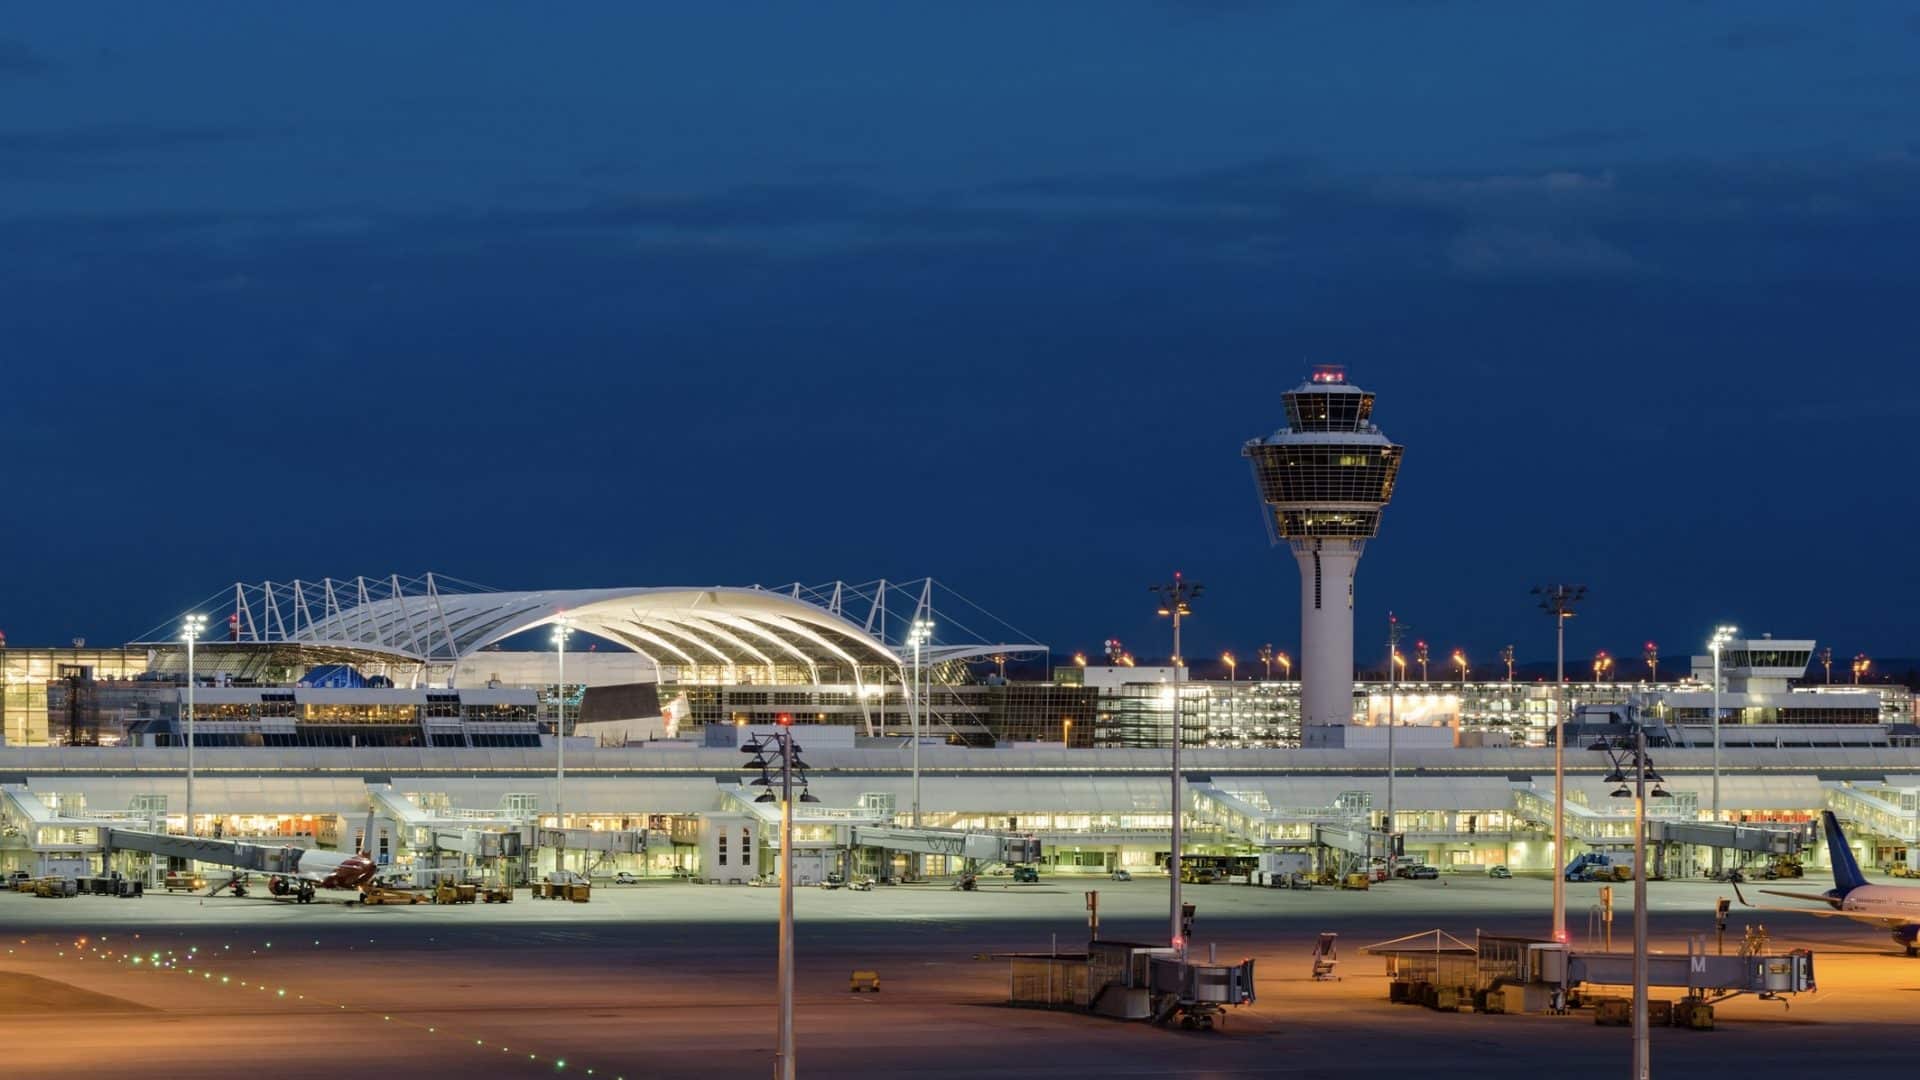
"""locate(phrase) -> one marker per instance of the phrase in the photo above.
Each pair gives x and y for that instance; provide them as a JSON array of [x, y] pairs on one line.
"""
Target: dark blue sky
[[617, 294]]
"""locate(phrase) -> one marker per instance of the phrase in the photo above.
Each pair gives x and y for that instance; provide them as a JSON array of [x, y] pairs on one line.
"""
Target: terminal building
[[439, 709]]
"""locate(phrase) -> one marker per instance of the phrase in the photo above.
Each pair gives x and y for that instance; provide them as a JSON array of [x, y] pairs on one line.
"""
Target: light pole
[[1651, 653], [1634, 748], [1066, 731], [1826, 661], [562, 627], [781, 740], [190, 630], [1233, 673], [1266, 657], [917, 635], [1860, 667], [1420, 657], [1176, 599], [1286, 665], [1460, 661], [1506, 657], [1722, 635], [1558, 601], [1602, 663], [1394, 663]]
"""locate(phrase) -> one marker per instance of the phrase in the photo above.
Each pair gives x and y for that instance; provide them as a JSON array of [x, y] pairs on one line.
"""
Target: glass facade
[[67, 696]]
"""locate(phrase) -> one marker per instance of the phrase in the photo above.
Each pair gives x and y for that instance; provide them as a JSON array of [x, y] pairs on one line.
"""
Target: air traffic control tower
[[1324, 479]]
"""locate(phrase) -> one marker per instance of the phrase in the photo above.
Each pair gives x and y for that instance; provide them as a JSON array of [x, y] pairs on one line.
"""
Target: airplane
[[1895, 908], [311, 869]]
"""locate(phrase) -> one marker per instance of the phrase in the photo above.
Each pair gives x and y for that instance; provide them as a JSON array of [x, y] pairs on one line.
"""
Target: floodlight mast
[[1632, 749], [1722, 637], [562, 627], [1395, 629], [780, 740], [190, 630], [1176, 599], [1558, 601]]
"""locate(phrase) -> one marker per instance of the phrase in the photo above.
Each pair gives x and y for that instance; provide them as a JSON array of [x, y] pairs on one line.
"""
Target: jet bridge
[[1782, 839], [864, 826], [240, 856], [978, 846]]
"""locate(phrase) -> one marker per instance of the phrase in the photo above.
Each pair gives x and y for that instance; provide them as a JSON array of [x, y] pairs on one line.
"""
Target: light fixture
[[1621, 792]]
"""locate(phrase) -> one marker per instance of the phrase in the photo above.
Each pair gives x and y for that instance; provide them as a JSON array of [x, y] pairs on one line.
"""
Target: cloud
[[56, 153], [1508, 251], [1767, 36], [1583, 139], [1815, 216], [19, 59]]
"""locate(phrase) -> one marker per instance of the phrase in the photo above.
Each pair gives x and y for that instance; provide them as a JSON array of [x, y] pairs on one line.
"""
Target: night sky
[[610, 294]]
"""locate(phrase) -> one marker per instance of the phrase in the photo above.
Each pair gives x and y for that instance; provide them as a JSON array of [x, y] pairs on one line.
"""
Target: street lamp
[[1860, 667], [1506, 657], [917, 635], [1394, 663], [1722, 635], [1558, 601], [1080, 658], [1460, 660], [1266, 657], [1602, 663], [1624, 752], [1826, 661], [1066, 731], [1286, 665], [190, 630], [562, 629], [1420, 657], [780, 740], [1651, 654], [1176, 599], [1233, 673]]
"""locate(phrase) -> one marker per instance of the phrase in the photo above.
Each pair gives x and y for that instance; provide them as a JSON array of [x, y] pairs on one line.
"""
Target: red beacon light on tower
[[784, 719], [1329, 373]]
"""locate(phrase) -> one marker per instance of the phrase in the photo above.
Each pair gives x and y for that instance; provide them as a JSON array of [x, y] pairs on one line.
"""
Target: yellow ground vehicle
[[1357, 880], [449, 893]]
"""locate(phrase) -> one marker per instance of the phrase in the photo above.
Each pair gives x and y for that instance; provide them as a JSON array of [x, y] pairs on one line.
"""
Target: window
[[723, 849], [746, 847]]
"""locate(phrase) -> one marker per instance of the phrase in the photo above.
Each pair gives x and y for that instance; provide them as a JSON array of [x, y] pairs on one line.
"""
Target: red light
[[784, 719]]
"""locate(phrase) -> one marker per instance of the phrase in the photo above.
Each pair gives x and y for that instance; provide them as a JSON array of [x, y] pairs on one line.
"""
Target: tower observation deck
[[1324, 479]]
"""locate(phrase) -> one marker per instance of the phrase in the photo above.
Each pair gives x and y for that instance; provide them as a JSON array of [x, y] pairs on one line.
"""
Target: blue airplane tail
[[1846, 872]]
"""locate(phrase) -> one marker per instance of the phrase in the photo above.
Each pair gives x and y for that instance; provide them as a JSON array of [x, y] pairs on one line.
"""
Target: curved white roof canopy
[[716, 626]]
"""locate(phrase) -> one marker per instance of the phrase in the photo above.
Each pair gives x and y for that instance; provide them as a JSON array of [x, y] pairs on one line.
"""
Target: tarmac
[[670, 979]]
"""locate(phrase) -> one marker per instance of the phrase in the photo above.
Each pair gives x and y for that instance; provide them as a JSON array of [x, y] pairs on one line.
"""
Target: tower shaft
[[1326, 636]]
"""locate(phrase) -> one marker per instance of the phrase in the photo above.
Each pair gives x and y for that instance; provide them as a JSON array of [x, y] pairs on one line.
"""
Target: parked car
[[1423, 873], [1026, 873], [1121, 875], [1499, 872], [625, 877], [14, 879]]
